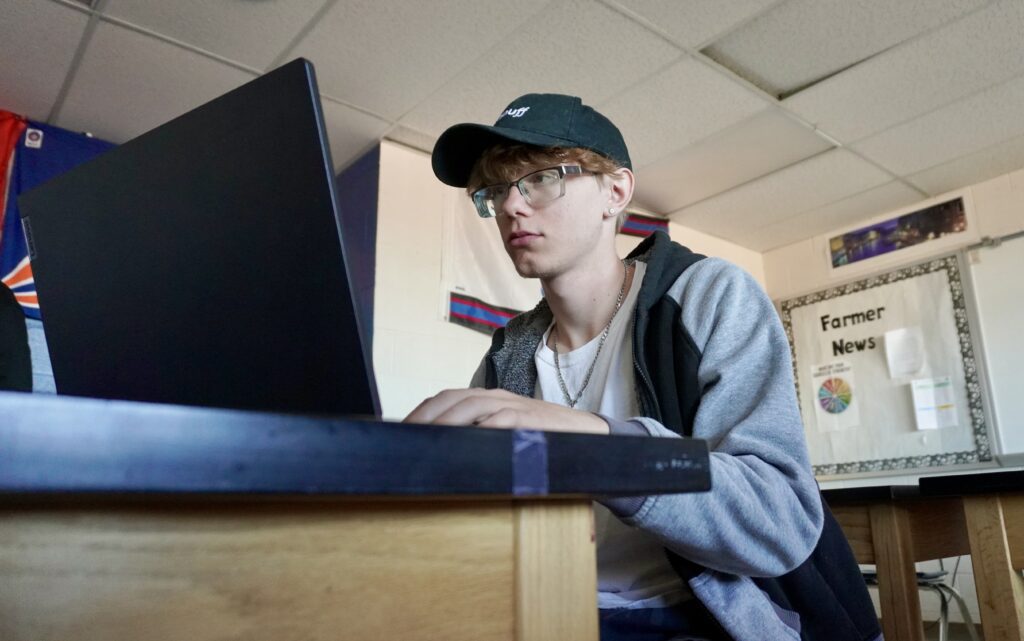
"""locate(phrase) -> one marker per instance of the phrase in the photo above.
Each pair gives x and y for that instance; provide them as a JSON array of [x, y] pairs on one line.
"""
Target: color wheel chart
[[835, 395]]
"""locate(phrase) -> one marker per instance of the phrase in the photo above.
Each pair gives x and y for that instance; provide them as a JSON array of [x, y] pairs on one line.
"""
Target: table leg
[[897, 578], [556, 571], [1000, 586]]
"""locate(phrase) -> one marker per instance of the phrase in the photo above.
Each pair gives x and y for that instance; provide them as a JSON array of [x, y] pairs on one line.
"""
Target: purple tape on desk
[[529, 463]]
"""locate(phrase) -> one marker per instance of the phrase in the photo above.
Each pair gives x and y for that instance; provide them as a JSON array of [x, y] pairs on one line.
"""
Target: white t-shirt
[[632, 569]]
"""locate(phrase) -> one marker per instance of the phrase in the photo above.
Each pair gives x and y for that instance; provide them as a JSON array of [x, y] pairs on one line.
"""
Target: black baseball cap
[[540, 119]]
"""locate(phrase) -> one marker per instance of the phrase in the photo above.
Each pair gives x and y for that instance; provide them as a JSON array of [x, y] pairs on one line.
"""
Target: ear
[[620, 189]]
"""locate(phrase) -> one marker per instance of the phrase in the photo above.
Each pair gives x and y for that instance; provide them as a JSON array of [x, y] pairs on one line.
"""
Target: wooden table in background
[[131, 521], [982, 515]]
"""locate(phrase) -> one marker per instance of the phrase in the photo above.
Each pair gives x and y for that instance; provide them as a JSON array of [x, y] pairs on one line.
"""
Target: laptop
[[203, 263]]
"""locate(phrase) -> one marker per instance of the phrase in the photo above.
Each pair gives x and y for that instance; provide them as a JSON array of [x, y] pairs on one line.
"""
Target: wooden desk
[[893, 527], [993, 506], [129, 521]]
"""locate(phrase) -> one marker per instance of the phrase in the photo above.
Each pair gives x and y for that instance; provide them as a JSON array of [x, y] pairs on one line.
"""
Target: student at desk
[[15, 359], [665, 343]]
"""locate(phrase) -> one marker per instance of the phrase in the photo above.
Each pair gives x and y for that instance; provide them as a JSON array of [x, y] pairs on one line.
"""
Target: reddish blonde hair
[[505, 163]]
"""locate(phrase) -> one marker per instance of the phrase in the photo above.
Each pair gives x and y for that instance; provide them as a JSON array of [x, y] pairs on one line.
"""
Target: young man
[[668, 344]]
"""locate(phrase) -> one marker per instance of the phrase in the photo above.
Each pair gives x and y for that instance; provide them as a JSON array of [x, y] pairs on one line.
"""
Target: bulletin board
[[886, 373]]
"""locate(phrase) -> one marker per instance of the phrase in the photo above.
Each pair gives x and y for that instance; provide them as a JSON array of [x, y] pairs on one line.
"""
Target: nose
[[515, 204]]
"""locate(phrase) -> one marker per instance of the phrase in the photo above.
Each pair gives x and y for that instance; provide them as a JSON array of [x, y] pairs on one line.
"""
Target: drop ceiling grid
[[836, 215], [252, 33], [690, 24], [800, 41], [42, 38], [350, 132], [766, 142], [153, 81], [958, 129], [911, 80], [540, 58], [996, 160], [834, 175], [387, 57], [671, 117]]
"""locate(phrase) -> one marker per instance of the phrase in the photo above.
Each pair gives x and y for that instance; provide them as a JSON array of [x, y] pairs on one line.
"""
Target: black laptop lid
[[202, 263]]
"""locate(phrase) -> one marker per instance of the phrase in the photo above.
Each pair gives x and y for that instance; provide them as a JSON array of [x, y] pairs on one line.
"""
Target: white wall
[[996, 209], [416, 352]]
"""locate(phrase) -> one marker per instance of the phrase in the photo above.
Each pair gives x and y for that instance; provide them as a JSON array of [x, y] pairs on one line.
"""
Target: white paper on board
[[835, 406], [904, 351], [934, 403]]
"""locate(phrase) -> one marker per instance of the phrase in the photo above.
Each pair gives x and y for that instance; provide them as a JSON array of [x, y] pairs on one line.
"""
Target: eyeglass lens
[[538, 188]]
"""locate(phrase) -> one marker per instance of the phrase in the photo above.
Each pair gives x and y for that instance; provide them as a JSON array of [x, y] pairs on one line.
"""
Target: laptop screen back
[[202, 263]]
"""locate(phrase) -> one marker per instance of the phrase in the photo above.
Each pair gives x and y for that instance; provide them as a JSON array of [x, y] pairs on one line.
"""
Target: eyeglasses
[[538, 188]]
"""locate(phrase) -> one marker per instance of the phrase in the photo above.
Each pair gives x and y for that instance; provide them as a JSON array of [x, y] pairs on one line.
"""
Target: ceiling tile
[[37, 43], [543, 57], [248, 32], [799, 188], [842, 213], [748, 150], [350, 132], [412, 138], [153, 82], [681, 105], [802, 41], [691, 23], [388, 56], [973, 168], [964, 127], [966, 56]]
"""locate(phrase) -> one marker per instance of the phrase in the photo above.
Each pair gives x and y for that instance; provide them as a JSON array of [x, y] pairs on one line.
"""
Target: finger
[[471, 410], [505, 418], [431, 408]]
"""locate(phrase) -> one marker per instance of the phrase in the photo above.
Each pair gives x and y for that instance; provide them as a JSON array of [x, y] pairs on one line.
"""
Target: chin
[[526, 268]]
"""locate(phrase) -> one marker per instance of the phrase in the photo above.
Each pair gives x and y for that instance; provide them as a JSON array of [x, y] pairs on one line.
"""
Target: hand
[[498, 408]]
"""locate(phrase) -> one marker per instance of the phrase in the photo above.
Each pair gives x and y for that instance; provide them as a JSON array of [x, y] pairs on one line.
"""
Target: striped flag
[[476, 314], [643, 226]]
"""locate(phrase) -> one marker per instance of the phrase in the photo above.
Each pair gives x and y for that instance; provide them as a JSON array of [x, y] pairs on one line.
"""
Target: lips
[[522, 238]]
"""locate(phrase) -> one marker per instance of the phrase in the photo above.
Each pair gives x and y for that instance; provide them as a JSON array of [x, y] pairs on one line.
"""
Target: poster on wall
[[910, 229], [886, 374]]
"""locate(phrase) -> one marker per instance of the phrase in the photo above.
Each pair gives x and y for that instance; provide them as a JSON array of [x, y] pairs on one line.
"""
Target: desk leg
[[897, 579], [556, 571], [1000, 587]]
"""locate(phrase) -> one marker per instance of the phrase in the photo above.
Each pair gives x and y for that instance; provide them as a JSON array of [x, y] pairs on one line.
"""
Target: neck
[[583, 300]]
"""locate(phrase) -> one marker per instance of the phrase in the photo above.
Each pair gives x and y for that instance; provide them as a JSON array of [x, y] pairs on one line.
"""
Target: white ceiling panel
[[351, 132], [802, 41], [388, 56], [37, 44], [129, 83], [974, 168], [807, 185], [671, 117], [959, 129], [966, 56], [252, 33], [542, 58], [748, 150], [411, 138], [842, 213], [691, 23]]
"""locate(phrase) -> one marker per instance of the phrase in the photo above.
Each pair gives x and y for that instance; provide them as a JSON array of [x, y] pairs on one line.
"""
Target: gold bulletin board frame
[[982, 452]]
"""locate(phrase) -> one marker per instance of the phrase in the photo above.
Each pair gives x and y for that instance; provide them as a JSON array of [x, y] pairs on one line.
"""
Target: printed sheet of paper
[[904, 351], [934, 403], [835, 404]]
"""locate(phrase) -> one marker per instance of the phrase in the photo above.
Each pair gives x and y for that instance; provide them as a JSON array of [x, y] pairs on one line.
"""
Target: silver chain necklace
[[569, 400]]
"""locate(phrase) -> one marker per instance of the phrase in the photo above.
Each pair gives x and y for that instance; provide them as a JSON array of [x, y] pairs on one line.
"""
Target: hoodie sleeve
[[763, 514]]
